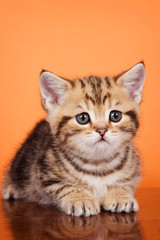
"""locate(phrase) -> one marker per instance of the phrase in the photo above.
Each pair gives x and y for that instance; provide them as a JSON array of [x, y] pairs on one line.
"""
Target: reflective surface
[[30, 221]]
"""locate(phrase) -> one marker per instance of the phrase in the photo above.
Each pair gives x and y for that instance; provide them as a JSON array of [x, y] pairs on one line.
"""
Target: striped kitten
[[82, 158]]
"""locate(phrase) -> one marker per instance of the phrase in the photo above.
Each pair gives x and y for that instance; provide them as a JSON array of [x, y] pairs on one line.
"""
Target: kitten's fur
[[80, 167]]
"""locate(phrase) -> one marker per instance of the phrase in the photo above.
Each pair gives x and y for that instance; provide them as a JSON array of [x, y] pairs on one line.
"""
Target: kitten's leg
[[119, 199], [77, 202]]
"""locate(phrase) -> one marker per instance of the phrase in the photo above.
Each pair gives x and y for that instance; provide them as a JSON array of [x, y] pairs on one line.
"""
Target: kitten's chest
[[97, 185]]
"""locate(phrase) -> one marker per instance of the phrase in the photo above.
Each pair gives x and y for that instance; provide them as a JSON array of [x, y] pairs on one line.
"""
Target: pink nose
[[101, 131]]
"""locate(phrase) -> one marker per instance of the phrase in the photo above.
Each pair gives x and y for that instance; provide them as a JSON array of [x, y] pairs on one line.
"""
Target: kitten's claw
[[85, 207], [120, 205]]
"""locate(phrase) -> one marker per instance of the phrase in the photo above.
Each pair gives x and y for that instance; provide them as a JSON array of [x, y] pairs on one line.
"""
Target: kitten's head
[[93, 116]]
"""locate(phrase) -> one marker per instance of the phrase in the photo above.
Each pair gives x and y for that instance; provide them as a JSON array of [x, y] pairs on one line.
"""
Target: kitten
[[82, 157]]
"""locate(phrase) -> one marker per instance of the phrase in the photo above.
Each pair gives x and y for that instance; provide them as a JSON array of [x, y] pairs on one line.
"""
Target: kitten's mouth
[[102, 140]]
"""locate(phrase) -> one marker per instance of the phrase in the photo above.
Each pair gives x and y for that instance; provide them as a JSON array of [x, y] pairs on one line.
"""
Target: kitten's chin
[[98, 151], [101, 150]]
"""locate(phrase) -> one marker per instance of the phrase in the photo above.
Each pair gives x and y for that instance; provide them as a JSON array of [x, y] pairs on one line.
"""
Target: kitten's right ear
[[53, 89], [132, 81]]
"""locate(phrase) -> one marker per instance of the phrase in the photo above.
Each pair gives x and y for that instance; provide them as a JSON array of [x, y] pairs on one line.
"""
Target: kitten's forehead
[[95, 89], [100, 90]]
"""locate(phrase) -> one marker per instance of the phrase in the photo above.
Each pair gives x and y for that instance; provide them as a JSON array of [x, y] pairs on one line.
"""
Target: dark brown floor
[[20, 220]]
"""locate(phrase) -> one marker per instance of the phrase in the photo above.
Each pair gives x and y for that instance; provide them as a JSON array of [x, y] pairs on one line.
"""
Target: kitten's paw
[[81, 207], [9, 190], [120, 204], [10, 193]]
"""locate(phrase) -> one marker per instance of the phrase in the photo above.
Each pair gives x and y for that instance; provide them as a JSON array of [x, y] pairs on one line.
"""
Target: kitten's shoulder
[[42, 127], [41, 132], [40, 137], [36, 143]]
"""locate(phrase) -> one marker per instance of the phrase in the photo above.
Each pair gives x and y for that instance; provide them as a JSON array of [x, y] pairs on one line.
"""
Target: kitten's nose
[[101, 131]]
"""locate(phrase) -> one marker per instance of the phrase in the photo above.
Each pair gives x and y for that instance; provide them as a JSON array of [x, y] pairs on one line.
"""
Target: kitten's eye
[[83, 118], [115, 116]]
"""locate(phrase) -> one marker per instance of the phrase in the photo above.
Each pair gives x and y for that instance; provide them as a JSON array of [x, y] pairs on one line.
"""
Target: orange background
[[74, 38]]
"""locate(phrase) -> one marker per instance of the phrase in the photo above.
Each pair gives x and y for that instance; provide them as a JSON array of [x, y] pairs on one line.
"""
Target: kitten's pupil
[[83, 118], [115, 116]]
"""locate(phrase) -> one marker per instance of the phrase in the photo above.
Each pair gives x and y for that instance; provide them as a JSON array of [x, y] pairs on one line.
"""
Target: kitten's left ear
[[133, 80], [53, 89]]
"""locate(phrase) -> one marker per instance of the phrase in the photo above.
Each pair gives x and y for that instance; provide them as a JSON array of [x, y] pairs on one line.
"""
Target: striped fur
[[65, 163]]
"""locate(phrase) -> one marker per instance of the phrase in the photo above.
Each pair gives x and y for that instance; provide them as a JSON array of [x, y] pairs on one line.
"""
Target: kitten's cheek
[[79, 141]]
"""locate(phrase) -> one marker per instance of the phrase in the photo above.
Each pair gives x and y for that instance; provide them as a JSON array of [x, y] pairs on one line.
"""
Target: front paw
[[81, 207], [120, 204]]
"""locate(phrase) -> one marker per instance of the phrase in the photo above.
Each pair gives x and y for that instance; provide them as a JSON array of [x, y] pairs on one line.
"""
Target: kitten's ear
[[53, 89], [133, 80]]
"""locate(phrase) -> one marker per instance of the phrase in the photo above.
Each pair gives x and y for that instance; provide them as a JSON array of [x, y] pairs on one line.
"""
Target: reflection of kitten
[[82, 157], [34, 221]]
